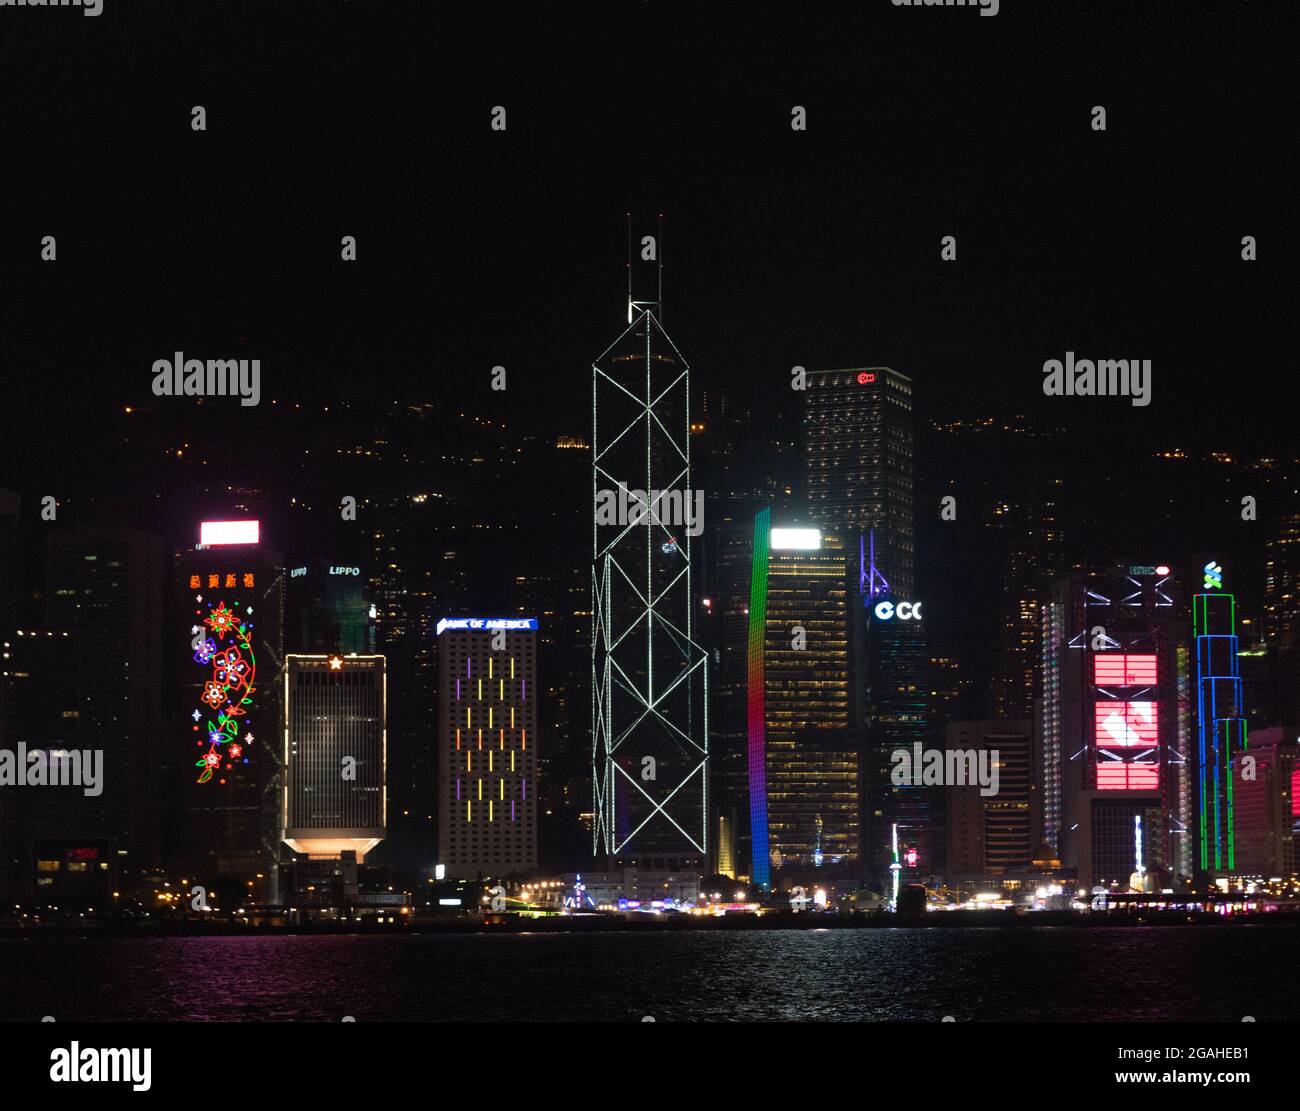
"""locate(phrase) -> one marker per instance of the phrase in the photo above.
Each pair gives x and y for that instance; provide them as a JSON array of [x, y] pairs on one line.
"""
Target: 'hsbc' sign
[[904, 611]]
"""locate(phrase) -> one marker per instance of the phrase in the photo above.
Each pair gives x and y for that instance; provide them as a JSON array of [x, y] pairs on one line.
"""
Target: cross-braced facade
[[649, 676]]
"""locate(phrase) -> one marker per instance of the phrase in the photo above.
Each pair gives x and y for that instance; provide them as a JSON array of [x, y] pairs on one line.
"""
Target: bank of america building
[[487, 737]]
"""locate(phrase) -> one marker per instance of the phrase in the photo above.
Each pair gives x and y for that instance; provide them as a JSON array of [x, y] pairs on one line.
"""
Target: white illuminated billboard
[[796, 539], [215, 533]]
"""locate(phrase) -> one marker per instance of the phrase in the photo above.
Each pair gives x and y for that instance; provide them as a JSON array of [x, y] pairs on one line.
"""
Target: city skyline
[[644, 513]]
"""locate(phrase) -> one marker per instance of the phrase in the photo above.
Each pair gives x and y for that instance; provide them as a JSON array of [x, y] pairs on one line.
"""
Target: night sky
[[478, 248]]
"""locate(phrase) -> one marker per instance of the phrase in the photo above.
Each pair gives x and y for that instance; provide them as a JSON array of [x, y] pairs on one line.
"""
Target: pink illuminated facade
[[1114, 724], [1127, 733]]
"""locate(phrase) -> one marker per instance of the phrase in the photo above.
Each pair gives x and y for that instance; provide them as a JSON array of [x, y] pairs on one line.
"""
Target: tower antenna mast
[[661, 268]]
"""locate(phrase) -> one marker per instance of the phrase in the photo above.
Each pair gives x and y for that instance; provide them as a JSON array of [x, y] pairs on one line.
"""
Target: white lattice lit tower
[[649, 681]]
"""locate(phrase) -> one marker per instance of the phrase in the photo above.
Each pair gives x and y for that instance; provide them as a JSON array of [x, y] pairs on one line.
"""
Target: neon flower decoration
[[230, 688], [221, 620], [231, 668]]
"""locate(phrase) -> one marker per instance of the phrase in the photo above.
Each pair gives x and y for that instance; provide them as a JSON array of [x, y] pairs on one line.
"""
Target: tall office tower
[[335, 754], [896, 717], [326, 610], [1115, 723], [487, 743], [228, 638], [1221, 730], [560, 597], [990, 834], [726, 617], [750, 457], [649, 673], [1282, 580], [803, 740], [1034, 559], [40, 707], [419, 570], [105, 587], [10, 504], [1267, 806], [858, 462], [1257, 662], [858, 436]]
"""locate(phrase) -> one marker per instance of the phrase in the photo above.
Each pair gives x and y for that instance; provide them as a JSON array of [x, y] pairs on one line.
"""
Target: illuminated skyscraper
[[1115, 723], [40, 707], [1266, 808], [858, 467], [803, 745], [1220, 719], [1282, 580], [229, 642], [335, 754], [326, 609], [105, 586], [727, 612], [896, 716], [487, 740], [995, 833], [858, 462], [649, 672]]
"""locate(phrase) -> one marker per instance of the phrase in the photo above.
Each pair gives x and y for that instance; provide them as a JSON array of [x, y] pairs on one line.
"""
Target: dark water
[[1040, 974]]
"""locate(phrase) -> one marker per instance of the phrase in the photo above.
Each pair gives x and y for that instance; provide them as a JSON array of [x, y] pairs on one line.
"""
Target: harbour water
[[1189, 974]]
